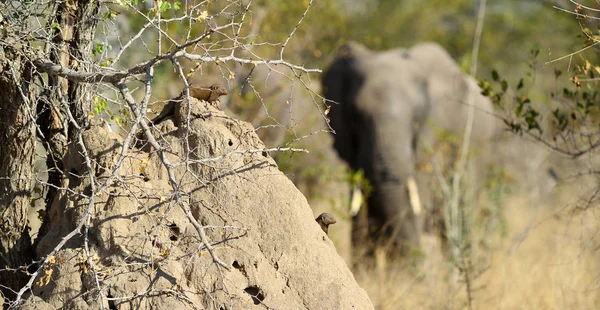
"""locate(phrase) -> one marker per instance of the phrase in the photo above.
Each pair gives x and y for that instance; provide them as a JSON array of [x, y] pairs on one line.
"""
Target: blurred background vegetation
[[531, 254]]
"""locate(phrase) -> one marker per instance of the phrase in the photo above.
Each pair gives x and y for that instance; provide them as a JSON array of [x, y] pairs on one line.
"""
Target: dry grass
[[555, 266], [548, 258]]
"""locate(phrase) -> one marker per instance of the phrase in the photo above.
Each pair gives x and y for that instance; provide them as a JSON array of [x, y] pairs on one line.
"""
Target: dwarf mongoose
[[208, 94], [325, 219]]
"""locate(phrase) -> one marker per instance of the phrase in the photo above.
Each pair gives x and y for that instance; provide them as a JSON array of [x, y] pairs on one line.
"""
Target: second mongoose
[[324, 220], [208, 94]]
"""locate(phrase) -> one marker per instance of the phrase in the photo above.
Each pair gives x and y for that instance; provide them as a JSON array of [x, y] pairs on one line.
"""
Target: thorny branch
[[30, 39]]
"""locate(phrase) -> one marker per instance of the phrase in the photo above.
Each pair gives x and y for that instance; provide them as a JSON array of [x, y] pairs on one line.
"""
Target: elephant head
[[381, 105]]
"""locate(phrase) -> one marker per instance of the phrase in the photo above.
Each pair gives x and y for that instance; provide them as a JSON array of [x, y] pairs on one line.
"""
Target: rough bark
[[72, 44], [17, 150], [22, 105], [80, 96]]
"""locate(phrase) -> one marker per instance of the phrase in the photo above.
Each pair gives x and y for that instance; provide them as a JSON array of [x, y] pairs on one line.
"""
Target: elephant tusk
[[356, 200], [413, 195]]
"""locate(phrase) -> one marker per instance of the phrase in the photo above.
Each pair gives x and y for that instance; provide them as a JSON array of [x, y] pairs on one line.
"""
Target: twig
[[263, 150], [163, 158], [458, 221]]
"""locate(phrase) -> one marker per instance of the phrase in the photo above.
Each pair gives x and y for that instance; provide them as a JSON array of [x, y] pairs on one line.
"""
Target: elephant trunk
[[390, 211]]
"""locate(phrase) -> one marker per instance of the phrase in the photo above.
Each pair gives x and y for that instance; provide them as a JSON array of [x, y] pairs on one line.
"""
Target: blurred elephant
[[389, 106]]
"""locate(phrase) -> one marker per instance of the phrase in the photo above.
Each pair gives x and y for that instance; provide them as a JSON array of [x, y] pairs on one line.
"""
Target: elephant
[[385, 109]]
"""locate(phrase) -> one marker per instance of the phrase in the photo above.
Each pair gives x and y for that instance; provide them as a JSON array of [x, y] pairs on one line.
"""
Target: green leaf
[[530, 119], [520, 84], [497, 99], [98, 49], [56, 27], [504, 85], [486, 89], [557, 73], [100, 106], [516, 128], [116, 119], [106, 63], [177, 5], [495, 75], [110, 14], [164, 6]]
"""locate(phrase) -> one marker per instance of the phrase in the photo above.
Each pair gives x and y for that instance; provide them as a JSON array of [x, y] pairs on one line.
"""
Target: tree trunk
[[80, 95], [17, 152], [73, 49], [22, 105]]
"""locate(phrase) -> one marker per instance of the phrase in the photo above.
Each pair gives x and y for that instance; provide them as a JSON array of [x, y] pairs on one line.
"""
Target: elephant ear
[[451, 91], [447, 87], [340, 84]]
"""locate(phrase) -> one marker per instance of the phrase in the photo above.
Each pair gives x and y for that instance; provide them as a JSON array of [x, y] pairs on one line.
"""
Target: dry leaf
[[203, 16]]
